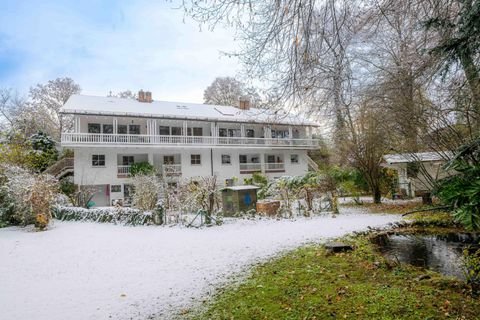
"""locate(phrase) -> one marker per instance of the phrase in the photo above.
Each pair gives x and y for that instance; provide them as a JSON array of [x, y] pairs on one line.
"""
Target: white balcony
[[250, 168], [97, 139]]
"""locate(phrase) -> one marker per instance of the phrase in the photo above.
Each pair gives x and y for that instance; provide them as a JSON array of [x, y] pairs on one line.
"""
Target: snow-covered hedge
[[126, 216]]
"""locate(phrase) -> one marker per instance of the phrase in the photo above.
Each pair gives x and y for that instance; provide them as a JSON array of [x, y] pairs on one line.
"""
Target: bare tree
[[46, 101], [226, 91], [127, 94], [12, 106]]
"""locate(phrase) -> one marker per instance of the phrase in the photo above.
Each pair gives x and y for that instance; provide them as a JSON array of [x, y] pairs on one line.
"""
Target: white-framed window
[[164, 131], [294, 158], [94, 128], [98, 160], [116, 188], [122, 129], [107, 128], [226, 159], [195, 159]]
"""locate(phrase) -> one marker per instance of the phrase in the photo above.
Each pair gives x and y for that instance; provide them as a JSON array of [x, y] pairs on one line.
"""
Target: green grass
[[310, 284]]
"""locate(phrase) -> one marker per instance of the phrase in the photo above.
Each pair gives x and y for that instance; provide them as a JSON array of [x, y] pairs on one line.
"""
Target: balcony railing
[[136, 139], [250, 167], [168, 170], [275, 167], [172, 170], [123, 171]]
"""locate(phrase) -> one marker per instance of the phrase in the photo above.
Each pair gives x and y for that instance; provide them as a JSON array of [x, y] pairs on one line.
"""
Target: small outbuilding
[[239, 199]]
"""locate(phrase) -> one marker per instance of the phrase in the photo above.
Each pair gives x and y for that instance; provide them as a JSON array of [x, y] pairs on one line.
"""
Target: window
[[168, 160], [198, 132], [222, 132], [234, 133], [250, 133], [164, 131], [134, 128], [195, 159], [294, 158], [128, 160], [94, 128], [242, 158], [116, 188], [270, 159], [98, 160], [176, 131], [108, 128], [280, 134], [122, 129], [226, 159]]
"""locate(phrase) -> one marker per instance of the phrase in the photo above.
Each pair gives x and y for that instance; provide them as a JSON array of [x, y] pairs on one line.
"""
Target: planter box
[[268, 208]]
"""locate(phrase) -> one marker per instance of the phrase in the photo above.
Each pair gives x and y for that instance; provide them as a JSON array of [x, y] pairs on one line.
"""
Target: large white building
[[181, 140]]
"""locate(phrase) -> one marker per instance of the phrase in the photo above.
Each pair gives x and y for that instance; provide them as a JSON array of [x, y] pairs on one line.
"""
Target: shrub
[[260, 181], [462, 191], [27, 198], [142, 168], [120, 215], [146, 189]]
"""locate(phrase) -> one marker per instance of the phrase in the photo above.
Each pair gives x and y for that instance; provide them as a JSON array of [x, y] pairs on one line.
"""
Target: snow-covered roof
[[238, 188], [417, 157], [95, 105]]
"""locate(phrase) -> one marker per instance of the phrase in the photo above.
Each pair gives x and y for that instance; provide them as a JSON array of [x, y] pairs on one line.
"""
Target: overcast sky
[[110, 45]]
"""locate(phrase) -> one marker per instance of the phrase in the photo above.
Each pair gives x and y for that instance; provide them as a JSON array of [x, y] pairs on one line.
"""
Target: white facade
[[186, 146]]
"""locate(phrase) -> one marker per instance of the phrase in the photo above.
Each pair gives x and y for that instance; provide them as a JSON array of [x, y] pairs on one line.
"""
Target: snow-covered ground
[[95, 271]]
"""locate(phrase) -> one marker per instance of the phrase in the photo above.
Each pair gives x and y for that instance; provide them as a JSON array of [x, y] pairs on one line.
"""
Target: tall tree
[[46, 101], [226, 91]]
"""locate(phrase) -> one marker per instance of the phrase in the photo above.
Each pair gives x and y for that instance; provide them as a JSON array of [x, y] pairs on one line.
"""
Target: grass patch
[[309, 283]]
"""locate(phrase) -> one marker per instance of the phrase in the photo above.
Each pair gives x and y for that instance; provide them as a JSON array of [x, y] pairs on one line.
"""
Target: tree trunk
[[473, 79], [377, 195]]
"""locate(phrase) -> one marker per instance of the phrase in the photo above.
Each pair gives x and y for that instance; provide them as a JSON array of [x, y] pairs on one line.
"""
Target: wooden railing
[[137, 139]]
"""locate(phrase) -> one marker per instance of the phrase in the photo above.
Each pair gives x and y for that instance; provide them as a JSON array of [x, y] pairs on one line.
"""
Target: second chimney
[[141, 96], [148, 96], [244, 103]]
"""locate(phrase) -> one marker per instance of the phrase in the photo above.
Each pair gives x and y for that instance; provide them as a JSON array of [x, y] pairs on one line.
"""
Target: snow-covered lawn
[[93, 271]]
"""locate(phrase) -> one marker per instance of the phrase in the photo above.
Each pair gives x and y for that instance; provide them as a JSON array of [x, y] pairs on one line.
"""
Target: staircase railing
[[312, 164], [60, 166]]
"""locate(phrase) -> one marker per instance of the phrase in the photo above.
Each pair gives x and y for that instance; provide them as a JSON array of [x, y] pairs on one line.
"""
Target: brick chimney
[[243, 103], [141, 96], [148, 96]]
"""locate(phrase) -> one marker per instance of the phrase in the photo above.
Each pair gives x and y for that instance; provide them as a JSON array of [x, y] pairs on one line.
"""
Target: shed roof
[[244, 187], [95, 105], [418, 157]]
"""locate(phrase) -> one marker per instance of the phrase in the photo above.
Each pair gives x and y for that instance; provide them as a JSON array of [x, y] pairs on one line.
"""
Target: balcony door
[[128, 160]]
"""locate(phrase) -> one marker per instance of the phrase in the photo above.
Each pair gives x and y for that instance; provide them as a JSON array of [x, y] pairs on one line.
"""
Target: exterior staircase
[[60, 168], [312, 165]]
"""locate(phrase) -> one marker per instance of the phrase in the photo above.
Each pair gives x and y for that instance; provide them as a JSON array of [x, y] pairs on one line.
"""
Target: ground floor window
[[294, 158], [116, 188], [195, 159], [128, 160], [98, 160], [226, 159]]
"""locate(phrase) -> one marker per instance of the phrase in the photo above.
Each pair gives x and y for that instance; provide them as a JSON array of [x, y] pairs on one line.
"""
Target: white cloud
[[140, 45]]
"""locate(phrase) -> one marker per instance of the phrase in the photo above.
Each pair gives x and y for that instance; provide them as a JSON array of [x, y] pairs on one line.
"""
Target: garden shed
[[239, 198]]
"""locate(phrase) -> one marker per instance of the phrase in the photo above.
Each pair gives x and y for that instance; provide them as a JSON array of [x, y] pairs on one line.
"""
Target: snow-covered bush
[[28, 197], [146, 189], [117, 215]]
